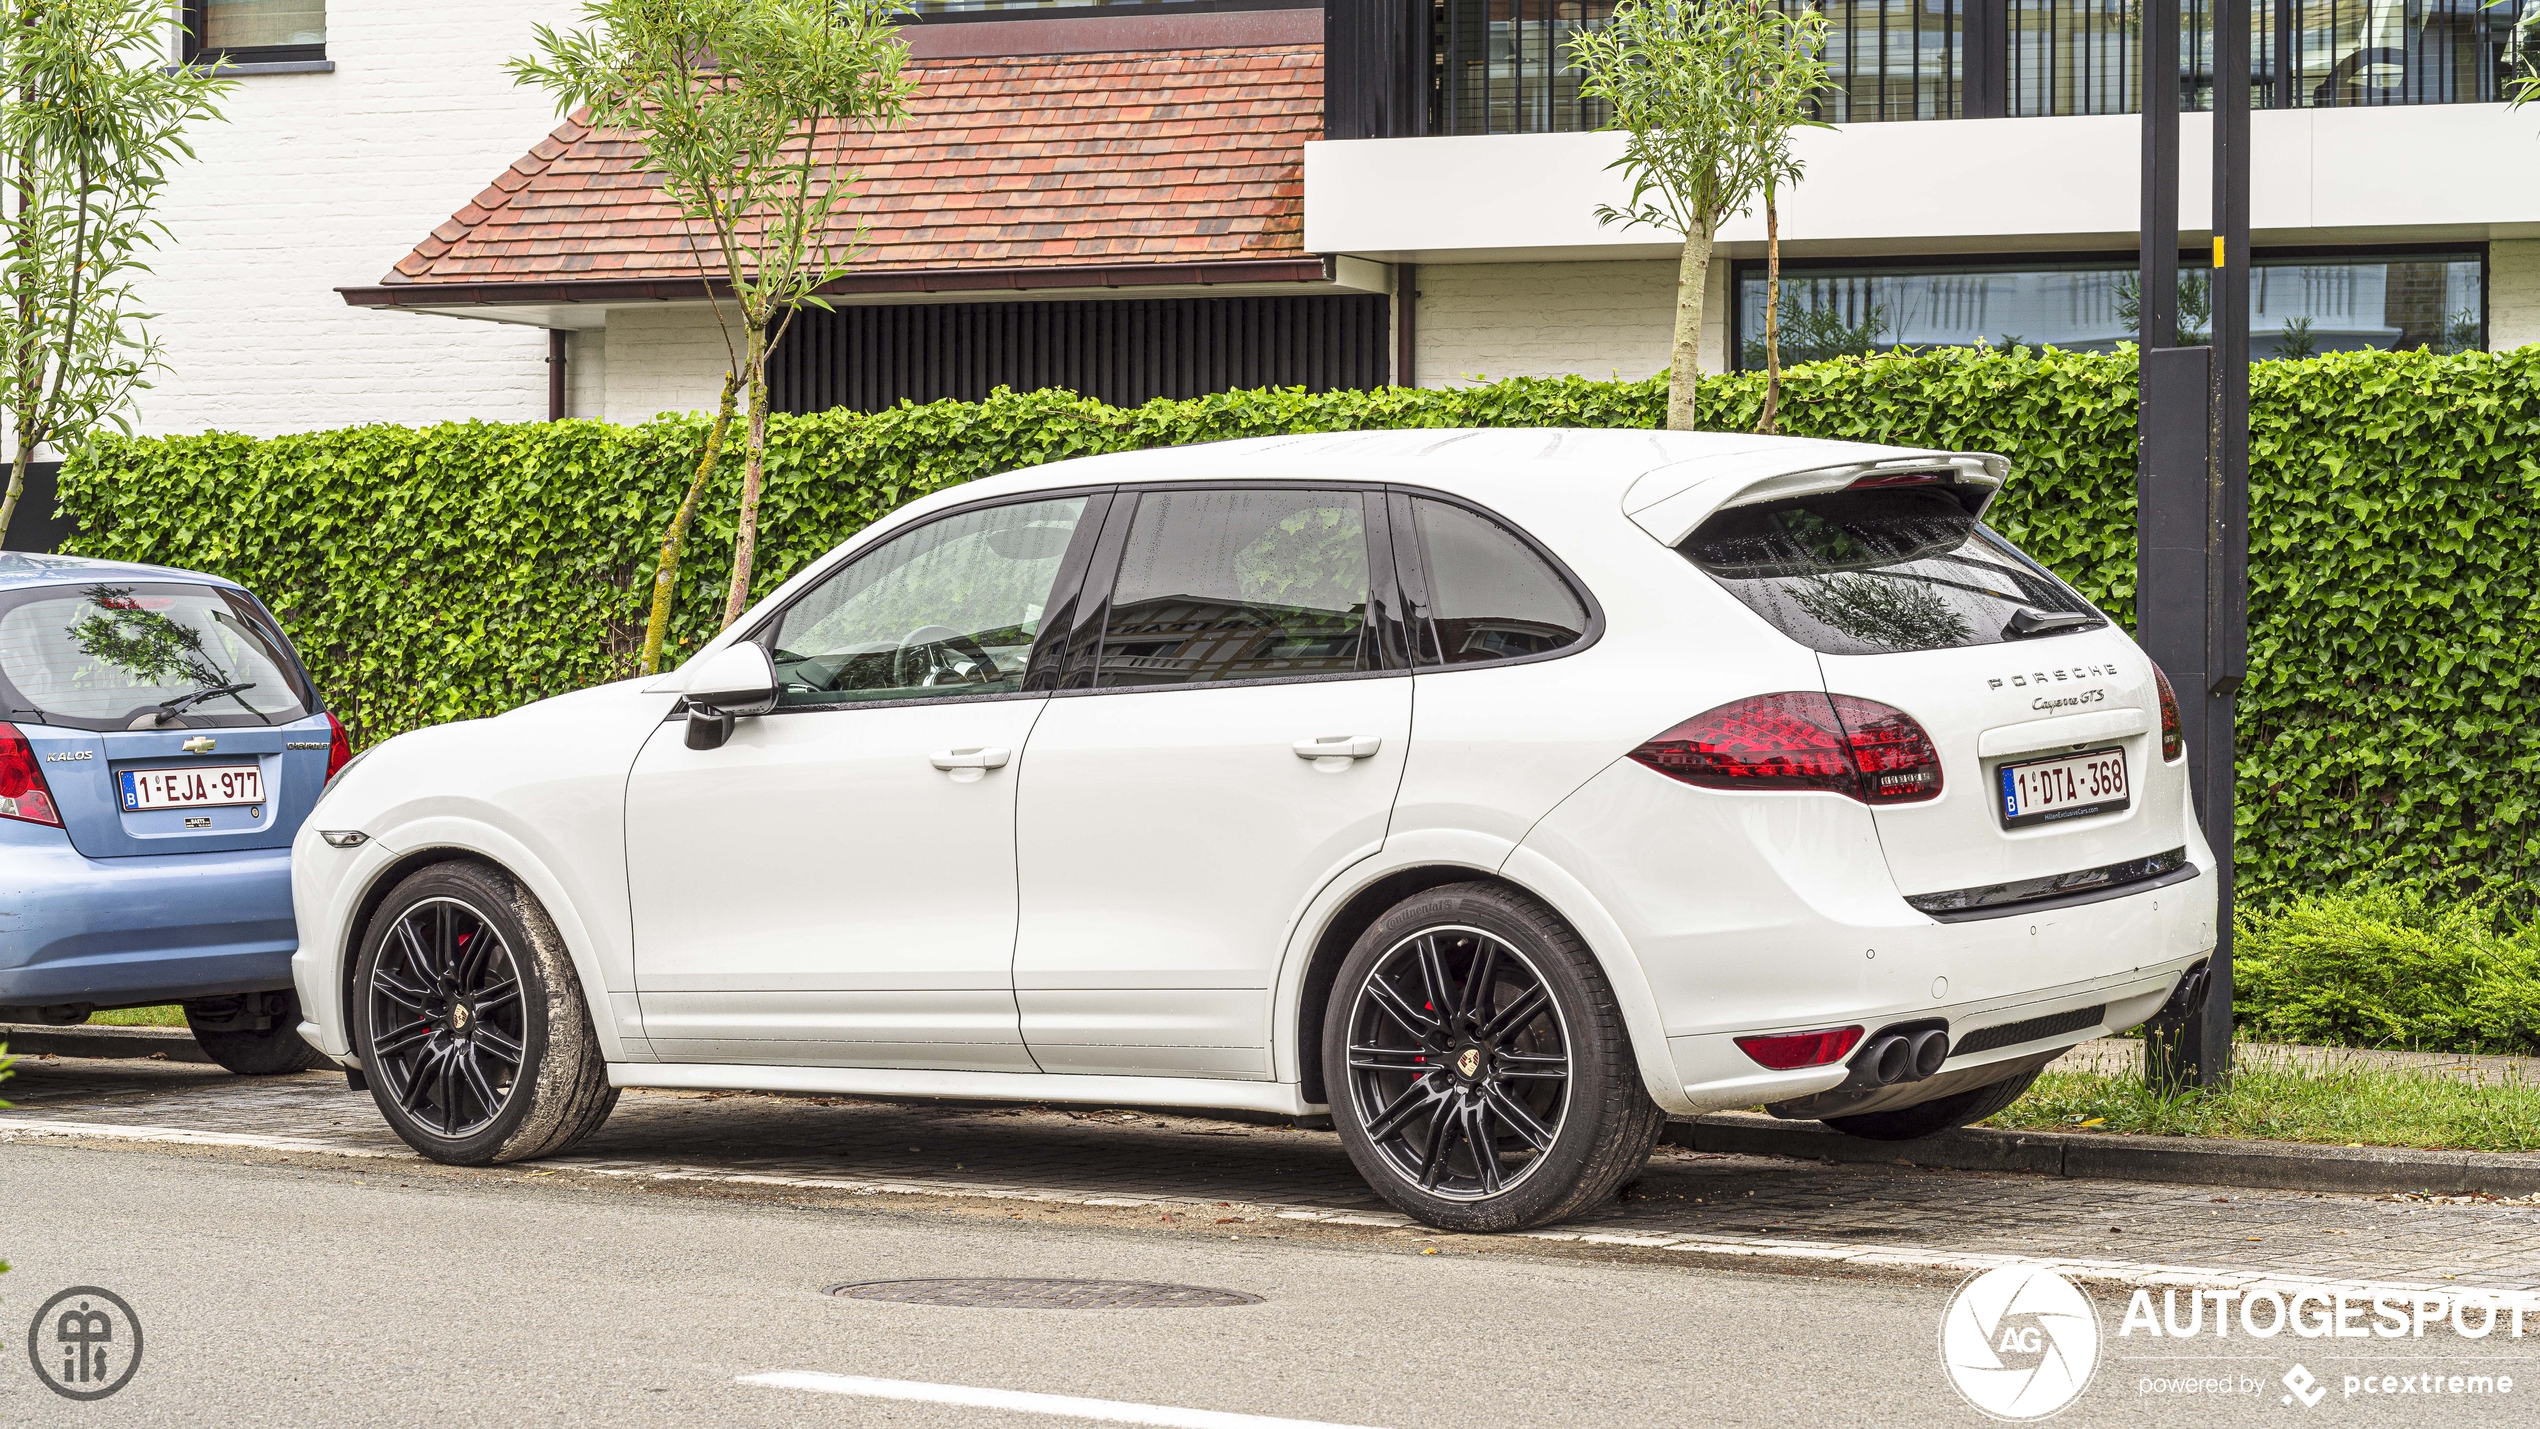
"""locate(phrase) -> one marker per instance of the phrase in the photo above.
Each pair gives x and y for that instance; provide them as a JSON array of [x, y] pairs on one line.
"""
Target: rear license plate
[[193, 788], [2072, 786]]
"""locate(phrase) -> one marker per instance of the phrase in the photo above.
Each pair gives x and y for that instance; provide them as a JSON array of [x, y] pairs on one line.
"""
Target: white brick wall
[[1479, 321], [2513, 293], [661, 359], [325, 180]]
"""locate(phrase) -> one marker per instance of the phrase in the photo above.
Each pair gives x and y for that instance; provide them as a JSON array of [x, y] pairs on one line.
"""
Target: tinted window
[[951, 608], [1239, 585], [1868, 572], [1490, 596], [114, 656]]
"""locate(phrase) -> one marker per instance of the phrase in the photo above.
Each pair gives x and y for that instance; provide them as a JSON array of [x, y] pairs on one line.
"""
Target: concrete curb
[[2272, 1165], [34, 1039]]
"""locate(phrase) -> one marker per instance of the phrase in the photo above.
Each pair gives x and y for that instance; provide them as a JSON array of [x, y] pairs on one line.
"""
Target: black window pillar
[[1375, 69], [1987, 37], [2192, 491]]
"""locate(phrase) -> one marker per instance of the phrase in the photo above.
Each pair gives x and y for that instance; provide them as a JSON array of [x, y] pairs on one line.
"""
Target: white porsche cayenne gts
[[1502, 792]]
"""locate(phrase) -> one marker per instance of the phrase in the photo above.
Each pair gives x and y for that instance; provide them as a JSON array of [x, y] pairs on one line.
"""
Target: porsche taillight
[[23, 792], [2173, 735], [1802, 739]]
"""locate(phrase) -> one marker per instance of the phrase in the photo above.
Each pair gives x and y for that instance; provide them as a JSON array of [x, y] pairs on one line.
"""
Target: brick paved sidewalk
[[1864, 1216]]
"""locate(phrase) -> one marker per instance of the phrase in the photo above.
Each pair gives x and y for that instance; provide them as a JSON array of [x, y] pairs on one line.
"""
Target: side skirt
[[1277, 1098]]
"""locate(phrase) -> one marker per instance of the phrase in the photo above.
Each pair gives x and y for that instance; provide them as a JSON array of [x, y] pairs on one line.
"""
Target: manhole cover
[[992, 1293]]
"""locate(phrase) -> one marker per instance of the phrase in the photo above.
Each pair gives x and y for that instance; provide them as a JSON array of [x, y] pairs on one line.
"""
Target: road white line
[[1066, 1406]]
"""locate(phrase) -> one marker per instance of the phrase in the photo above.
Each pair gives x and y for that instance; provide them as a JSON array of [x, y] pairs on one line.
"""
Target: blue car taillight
[[23, 792]]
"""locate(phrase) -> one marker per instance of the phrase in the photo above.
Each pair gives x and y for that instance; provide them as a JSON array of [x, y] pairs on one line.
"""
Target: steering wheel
[[938, 637]]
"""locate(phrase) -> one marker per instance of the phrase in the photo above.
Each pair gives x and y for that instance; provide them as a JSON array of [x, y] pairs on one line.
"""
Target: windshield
[[144, 655], [1884, 569]]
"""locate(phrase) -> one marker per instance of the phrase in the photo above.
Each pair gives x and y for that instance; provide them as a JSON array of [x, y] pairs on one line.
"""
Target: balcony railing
[[1507, 67]]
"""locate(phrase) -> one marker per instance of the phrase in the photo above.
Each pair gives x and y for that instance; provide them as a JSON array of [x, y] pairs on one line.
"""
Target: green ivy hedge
[[458, 570]]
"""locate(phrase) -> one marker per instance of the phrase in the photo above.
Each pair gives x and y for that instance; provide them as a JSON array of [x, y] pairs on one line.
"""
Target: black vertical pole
[[2208, 1036], [2157, 282], [2184, 609]]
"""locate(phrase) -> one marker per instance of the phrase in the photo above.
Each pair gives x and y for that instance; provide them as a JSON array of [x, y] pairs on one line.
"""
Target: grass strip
[[170, 1016], [2269, 1100]]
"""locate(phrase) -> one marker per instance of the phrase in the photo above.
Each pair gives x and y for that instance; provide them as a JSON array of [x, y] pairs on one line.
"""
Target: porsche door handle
[[980, 759], [1339, 746]]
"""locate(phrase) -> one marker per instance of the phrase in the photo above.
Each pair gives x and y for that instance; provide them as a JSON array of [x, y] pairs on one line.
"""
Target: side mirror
[[734, 682]]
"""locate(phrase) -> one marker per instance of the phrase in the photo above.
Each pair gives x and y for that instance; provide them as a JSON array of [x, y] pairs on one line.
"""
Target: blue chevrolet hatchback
[[159, 746]]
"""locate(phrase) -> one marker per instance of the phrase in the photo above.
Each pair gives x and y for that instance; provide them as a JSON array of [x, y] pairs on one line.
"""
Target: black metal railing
[[1507, 66]]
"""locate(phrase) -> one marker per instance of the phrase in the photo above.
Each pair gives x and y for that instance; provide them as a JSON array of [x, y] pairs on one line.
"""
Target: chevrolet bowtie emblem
[[199, 744]]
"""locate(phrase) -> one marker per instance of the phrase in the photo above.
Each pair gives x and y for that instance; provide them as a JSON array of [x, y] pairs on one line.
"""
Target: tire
[[1531, 1059], [275, 1051], [471, 1026], [1937, 1115]]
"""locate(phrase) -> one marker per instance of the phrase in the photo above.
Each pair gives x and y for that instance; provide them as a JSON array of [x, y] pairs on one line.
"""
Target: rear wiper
[[2025, 623], [170, 709]]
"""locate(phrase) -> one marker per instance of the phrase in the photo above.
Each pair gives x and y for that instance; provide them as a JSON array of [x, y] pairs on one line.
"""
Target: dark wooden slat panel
[[1124, 353]]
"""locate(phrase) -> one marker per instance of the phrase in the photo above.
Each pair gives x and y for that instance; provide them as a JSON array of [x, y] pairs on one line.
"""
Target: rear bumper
[[1749, 914], [120, 931]]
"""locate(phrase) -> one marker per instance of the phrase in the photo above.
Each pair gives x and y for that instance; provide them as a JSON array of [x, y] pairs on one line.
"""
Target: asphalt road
[[318, 1293]]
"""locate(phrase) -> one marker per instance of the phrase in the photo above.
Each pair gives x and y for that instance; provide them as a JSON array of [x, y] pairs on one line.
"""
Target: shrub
[[2390, 966], [458, 570]]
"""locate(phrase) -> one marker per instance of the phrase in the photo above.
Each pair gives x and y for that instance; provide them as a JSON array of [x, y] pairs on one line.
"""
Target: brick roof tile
[[1018, 161]]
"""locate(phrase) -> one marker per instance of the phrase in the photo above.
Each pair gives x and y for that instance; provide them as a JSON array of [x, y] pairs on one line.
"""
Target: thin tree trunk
[[666, 578], [23, 387], [17, 487], [753, 477], [1684, 363], [1772, 316]]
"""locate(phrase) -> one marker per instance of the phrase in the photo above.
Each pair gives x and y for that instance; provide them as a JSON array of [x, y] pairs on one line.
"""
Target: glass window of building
[[256, 29], [2299, 306]]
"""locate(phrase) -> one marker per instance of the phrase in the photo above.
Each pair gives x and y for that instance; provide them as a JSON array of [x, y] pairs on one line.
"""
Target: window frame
[[1056, 615], [1411, 559], [195, 52]]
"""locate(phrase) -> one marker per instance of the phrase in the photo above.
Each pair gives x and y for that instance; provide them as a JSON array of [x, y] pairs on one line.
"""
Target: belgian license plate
[[194, 787], [2072, 786]]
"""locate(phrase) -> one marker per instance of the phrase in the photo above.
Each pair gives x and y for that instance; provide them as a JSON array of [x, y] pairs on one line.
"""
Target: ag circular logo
[[2020, 1342], [85, 1343]]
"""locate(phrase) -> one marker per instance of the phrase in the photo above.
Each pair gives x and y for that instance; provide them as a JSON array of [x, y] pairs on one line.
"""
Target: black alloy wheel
[[1458, 1063], [449, 1028]]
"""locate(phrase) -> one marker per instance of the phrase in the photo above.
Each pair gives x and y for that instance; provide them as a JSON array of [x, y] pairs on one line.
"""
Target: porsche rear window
[[1880, 570]]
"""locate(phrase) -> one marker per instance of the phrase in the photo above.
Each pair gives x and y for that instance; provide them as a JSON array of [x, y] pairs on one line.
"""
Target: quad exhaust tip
[[1894, 1057]]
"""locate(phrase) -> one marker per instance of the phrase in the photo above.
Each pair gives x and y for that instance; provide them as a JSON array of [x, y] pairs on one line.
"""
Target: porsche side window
[[1490, 596], [951, 608], [1219, 586]]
